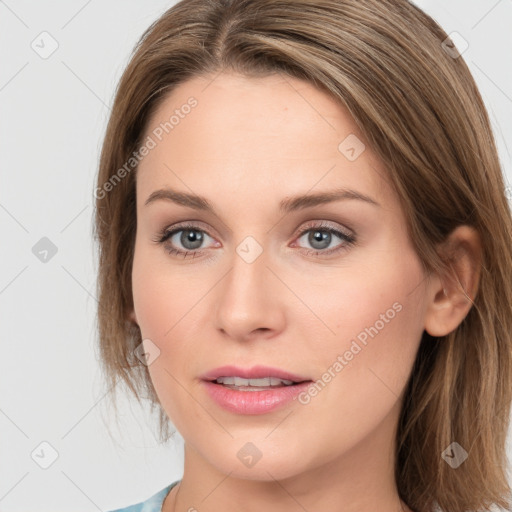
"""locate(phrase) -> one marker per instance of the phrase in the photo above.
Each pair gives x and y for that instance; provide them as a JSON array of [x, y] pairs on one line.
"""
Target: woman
[[305, 258]]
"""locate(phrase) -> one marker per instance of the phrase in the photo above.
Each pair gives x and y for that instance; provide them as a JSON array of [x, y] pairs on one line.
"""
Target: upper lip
[[256, 372]]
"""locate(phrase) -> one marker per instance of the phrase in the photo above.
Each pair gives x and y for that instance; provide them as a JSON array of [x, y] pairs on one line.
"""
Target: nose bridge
[[246, 300], [248, 276]]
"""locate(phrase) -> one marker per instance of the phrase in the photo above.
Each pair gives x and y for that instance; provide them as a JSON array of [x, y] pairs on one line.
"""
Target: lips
[[261, 401], [256, 372], [253, 399]]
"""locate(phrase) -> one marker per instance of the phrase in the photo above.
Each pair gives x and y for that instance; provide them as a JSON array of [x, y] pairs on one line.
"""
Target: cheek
[[374, 300], [160, 297], [376, 317], [165, 304]]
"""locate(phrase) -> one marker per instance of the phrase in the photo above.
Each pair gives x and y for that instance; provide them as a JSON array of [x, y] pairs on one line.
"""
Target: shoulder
[[151, 504]]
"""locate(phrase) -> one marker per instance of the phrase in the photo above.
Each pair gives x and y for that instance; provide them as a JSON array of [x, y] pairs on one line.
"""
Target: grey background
[[53, 116]]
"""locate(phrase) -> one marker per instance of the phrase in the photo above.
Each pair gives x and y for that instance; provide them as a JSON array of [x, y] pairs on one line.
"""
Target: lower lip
[[253, 402]]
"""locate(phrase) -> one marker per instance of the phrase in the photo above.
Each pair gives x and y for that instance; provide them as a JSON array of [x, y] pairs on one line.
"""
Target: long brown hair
[[419, 107]]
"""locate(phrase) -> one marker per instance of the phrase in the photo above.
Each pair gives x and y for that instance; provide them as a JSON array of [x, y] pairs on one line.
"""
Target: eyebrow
[[287, 205]]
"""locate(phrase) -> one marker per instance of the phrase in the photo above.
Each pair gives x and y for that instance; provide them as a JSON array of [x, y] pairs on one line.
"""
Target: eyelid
[[319, 224], [188, 224]]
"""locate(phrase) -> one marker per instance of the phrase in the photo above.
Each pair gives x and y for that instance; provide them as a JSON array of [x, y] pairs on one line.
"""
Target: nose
[[250, 300]]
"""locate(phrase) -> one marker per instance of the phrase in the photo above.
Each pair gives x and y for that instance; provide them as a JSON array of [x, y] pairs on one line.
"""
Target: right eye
[[190, 238]]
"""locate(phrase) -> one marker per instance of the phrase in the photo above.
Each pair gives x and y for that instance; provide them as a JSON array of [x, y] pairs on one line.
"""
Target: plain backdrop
[[54, 110]]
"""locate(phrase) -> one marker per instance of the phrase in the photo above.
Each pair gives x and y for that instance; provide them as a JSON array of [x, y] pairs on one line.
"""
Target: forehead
[[262, 135]]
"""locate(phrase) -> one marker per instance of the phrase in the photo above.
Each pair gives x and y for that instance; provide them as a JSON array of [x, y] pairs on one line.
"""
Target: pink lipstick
[[255, 390]]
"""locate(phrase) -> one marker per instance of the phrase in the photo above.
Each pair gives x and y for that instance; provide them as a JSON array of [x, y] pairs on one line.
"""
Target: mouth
[[256, 378], [253, 395]]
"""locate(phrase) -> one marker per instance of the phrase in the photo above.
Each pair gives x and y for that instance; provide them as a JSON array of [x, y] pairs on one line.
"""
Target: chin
[[258, 460]]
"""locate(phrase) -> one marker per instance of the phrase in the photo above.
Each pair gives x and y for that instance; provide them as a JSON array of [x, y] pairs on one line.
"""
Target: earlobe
[[451, 297]]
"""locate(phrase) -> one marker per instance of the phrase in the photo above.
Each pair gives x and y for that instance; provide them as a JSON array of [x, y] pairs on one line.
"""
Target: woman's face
[[263, 285]]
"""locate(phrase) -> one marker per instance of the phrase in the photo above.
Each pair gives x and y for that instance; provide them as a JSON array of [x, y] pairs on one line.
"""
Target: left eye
[[321, 237]]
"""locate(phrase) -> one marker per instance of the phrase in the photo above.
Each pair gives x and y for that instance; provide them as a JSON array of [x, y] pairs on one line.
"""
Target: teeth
[[264, 382]]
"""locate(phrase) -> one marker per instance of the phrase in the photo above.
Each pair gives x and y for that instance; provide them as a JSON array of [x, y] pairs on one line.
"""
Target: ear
[[450, 297]]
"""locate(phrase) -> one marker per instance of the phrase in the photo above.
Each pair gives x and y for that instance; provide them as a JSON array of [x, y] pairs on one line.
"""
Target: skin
[[248, 144]]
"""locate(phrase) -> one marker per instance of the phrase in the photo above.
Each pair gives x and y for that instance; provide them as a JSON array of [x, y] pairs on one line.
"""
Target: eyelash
[[349, 239]]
